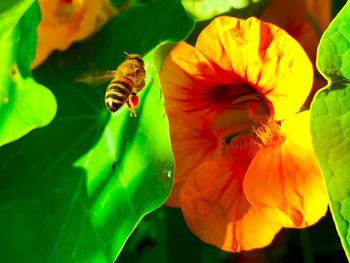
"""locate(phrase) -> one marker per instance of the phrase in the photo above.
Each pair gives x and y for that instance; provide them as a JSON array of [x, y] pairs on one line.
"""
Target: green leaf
[[24, 104], [74, 190], [206, 9], [330, 120], [133, 160]]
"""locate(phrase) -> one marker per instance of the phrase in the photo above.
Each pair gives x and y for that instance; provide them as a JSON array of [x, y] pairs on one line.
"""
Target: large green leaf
[[74, 190], [330, 119], [24, 104]]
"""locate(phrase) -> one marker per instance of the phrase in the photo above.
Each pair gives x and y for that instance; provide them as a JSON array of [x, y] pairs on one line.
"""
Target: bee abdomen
[[117, 93]]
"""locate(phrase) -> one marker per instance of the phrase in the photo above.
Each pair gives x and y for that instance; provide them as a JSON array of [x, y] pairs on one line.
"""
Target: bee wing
[[95, 78]]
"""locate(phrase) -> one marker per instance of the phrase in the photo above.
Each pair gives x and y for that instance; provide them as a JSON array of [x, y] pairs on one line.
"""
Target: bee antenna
[[133, 56]]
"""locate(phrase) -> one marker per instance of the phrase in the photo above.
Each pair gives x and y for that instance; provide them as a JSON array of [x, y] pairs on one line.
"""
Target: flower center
[[246, 125]]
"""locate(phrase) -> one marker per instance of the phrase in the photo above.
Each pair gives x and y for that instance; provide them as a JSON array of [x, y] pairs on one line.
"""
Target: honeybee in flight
[[127, 80]]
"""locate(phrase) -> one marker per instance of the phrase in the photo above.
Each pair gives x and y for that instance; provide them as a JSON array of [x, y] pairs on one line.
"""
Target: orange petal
[[195, 140], [299, 18], [284, 181], [305, 21], [264, 56], [217, 211], [192, 143], [192, 83]]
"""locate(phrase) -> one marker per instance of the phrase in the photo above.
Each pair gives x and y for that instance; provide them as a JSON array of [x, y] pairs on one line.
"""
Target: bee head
[[136, 57]]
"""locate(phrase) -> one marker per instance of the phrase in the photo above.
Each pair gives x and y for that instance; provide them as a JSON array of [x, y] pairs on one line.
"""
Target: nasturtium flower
[[244, 164], [66, 21]]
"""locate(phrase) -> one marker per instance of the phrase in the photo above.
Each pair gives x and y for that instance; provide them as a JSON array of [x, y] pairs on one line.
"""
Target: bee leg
[[131, 107]]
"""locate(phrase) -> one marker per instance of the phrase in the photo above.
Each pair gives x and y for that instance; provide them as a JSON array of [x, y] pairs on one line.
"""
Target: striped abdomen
[[117, 93]]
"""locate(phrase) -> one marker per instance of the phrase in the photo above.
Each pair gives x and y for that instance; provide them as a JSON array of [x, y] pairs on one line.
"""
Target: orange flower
[[66, 21], [243, 156]]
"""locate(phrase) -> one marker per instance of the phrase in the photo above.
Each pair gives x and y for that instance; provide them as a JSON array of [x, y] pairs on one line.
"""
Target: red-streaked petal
[[192, 83], [217, 211], [195, 141], [284, 181], [192, 143], [263, 55]]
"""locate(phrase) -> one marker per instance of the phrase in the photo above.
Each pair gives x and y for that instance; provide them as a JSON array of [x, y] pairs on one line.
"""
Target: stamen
[[268, 133]]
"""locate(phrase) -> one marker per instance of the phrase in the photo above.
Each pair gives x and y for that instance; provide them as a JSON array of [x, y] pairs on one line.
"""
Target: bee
[[126, 82], [129, 79]]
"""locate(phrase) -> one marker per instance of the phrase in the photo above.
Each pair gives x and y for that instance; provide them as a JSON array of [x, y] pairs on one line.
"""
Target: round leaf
[[24, 104], [330, 120]]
